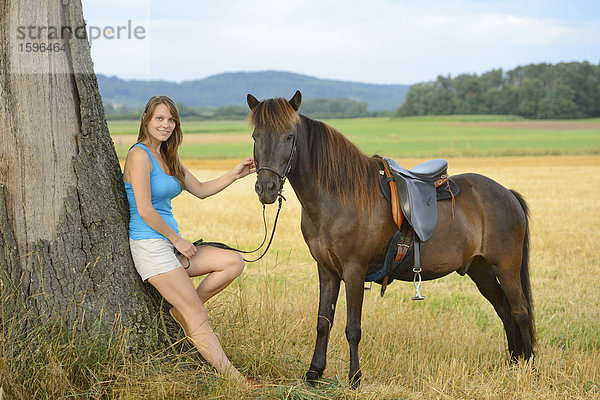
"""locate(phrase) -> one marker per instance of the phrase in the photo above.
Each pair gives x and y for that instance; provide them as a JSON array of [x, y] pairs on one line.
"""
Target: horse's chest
[[317, 241], [330, 240]]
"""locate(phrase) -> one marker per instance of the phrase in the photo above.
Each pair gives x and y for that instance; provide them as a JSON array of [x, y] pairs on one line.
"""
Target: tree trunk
[[64, 246]]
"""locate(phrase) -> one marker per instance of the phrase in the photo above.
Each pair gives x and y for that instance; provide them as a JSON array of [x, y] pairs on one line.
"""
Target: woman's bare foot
[[251, 383]]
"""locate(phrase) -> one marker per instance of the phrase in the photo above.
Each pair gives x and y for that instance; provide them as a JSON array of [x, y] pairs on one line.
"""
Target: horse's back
[[494, 198]]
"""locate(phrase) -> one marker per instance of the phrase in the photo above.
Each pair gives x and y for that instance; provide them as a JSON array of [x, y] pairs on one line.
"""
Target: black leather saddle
[[419, 189], [417, 192]]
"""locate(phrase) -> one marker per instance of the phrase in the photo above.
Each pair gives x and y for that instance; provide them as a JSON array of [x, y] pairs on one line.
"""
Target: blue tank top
[[163, 188]]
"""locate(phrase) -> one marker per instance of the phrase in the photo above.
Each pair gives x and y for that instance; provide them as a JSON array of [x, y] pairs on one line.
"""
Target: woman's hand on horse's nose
[[244, 168]]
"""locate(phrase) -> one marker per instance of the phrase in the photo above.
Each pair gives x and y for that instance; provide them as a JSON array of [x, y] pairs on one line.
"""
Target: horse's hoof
[[354, 380], [522, 357], [311, 377]]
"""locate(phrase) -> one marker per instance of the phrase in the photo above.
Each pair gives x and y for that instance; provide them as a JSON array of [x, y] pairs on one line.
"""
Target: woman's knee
[[236, 264]]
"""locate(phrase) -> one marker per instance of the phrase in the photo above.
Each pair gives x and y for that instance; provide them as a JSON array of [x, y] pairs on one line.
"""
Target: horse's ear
[[252, 102], [296, 100]]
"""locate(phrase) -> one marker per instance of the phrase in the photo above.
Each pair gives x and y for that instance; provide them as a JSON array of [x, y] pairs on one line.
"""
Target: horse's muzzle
[[266, 189]]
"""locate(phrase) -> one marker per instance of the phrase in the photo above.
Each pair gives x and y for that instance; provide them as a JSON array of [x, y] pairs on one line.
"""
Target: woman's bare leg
[[222, 267], [177, 288]]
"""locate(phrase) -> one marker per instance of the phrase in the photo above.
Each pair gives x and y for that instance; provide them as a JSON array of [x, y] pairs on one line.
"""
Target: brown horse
[[347, 225]]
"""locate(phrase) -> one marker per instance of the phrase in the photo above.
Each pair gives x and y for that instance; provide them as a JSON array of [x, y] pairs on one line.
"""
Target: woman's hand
[[187, 249], [244, 168]]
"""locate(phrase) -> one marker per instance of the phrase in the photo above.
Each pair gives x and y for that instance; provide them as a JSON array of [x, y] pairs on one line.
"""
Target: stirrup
[[417, 270], [417, 282]]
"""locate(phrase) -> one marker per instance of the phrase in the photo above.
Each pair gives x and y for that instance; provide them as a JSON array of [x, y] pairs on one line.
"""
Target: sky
[[374, 41]]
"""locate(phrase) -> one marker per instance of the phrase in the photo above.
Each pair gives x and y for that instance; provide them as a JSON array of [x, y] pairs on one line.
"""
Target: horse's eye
[[254, 138], [289, 137]]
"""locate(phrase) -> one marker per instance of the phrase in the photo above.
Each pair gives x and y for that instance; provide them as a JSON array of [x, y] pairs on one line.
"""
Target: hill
[[231, 88]]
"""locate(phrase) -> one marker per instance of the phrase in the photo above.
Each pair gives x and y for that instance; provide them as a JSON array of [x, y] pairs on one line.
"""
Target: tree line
[[545, 91]]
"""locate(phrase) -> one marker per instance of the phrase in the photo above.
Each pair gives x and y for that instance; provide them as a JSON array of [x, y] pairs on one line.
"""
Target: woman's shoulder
[[137, 155], [138, 151]]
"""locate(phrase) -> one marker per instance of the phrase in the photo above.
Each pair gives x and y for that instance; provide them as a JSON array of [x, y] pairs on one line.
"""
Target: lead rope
[[280, 198], [227, 247]]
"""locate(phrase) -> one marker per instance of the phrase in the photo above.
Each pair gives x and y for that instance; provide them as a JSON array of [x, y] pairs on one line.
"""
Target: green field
[[448, 136]]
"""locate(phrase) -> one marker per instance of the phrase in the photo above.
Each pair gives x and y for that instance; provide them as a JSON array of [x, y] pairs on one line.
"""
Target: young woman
[[153, 175]]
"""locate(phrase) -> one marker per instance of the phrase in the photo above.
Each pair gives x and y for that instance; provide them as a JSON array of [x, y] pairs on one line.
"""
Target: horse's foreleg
[[329, 288], [354, 280]]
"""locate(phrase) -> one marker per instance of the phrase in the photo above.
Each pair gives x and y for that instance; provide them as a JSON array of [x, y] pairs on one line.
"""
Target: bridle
[[288, 166], [280, 198]]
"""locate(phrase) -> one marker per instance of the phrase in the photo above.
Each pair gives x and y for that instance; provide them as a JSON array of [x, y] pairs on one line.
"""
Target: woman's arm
[[138, 167], [203, 190]]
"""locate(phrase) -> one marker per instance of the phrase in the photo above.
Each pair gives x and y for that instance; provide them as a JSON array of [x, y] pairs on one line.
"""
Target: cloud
[[510, 29], [377, 41]]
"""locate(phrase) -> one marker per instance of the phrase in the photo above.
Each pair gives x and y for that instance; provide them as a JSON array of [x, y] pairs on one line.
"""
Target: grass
[[449, 346], [444, 136]]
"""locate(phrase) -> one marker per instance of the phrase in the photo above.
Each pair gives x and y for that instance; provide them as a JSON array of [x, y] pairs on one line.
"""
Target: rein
[[224, 246], [280, 199]]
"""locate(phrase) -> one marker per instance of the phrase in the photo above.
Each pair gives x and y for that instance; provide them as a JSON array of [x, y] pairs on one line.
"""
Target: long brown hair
[[168, 148]]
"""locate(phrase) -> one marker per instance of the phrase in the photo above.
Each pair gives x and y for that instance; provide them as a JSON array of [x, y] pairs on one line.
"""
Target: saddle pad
[[390, 267]]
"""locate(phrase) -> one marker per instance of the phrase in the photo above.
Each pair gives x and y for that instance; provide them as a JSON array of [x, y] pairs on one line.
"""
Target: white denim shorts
[[153, 256]]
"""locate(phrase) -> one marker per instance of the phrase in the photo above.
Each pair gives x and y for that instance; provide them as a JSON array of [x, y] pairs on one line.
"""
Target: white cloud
[[375, 41], [511, 29]]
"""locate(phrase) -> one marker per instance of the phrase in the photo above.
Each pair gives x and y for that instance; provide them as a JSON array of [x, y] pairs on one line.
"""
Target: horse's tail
[[525, 281]]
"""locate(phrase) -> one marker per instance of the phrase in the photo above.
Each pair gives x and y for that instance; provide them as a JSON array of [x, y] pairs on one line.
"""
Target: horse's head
[[276, 123]]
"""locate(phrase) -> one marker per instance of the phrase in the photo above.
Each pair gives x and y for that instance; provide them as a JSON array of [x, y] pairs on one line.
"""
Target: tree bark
[[63, 211]]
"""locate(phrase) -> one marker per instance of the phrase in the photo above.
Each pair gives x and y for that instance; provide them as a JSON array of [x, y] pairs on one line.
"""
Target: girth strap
[[401, 250]]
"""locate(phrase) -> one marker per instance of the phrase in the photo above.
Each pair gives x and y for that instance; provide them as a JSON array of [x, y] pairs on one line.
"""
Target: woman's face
[[161, 125]]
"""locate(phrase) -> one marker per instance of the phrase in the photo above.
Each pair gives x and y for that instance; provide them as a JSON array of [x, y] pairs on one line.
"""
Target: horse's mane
[[340, 166]]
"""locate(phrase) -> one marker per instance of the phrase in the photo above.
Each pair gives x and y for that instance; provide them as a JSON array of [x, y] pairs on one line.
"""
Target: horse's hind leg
[[329, 288], [484, 277], [512, 286]]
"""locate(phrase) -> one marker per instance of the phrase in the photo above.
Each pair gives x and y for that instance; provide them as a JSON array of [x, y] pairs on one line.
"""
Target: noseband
[[287, 169]]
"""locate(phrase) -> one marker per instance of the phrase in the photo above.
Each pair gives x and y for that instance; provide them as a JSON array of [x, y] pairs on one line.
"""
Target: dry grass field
[[450, 346]]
